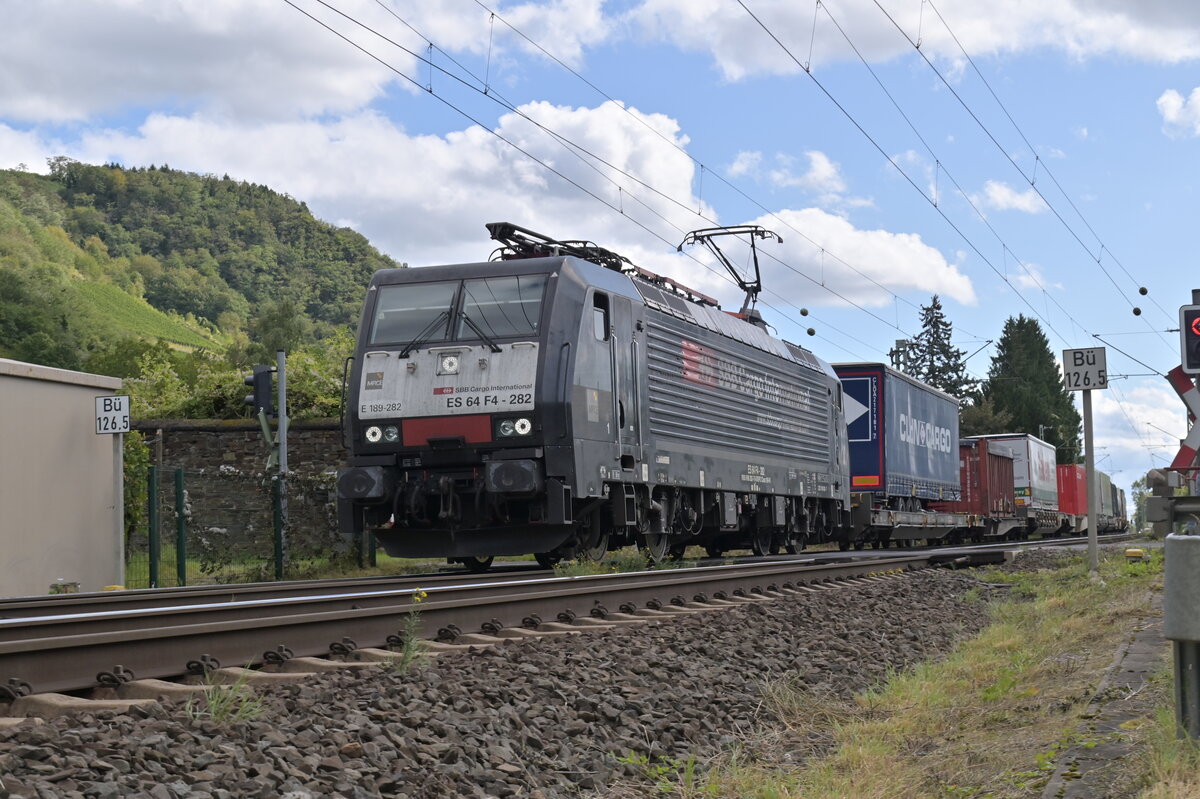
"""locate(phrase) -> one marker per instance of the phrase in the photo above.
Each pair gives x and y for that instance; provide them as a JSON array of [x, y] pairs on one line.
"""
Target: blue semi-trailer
[[903, 441]]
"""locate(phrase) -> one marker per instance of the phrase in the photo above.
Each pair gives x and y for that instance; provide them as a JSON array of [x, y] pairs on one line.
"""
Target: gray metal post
[[1093, 495], [1181, 624], [281, 440], [281, 367]]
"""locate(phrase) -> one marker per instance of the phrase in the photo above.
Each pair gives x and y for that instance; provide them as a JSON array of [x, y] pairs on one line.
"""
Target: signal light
[[1189, 337], [263, 397]]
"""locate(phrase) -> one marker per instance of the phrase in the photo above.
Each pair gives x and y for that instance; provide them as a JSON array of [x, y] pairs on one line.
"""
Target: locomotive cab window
[[402, 313], [501, 306], [600, 316]]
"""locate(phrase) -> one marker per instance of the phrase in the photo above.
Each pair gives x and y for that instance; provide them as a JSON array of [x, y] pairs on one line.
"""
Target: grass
[[127, 314], [990, 720], [226, 703], [1174, 763]]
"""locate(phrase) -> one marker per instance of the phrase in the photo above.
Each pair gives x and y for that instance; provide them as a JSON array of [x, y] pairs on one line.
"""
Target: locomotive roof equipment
[[752, 288]]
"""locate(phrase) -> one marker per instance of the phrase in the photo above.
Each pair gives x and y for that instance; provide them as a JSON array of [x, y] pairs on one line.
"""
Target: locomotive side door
[[626, 344]]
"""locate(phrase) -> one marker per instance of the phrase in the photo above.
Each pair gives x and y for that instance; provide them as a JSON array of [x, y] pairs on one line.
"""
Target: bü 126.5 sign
[[1085, 369]]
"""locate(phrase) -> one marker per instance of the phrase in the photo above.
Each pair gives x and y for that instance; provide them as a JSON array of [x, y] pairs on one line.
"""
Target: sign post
[[1085, 370], [112, 419]]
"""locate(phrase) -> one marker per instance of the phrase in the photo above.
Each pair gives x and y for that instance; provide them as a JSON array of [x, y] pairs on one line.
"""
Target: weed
[[412, 647], [225, 703], [668, 777]]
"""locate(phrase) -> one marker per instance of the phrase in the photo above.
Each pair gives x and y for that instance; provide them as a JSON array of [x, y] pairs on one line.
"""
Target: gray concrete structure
[[60, 483]]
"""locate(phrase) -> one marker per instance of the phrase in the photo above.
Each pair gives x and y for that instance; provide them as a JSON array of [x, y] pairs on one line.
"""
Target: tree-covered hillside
[[113, 270]]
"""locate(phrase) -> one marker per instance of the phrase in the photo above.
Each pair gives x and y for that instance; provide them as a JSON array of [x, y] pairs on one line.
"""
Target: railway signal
[[261, 399], [1189, 338]]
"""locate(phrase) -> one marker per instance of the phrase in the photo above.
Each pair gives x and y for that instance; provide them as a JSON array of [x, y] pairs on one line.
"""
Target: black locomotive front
[[448, 410]]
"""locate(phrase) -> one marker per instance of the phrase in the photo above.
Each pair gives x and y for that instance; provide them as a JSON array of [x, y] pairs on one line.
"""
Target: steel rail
[[147, 598], [58, 604], [71, 652]]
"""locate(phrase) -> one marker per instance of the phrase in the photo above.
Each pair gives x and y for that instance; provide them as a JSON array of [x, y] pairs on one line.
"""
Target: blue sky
[[713, 123]]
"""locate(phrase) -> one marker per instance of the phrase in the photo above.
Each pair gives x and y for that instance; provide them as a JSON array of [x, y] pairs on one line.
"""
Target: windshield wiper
[[425, 334], [486, 340]]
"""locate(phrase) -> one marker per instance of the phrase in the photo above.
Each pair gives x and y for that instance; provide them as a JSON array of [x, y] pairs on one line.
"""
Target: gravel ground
[[544, 717]]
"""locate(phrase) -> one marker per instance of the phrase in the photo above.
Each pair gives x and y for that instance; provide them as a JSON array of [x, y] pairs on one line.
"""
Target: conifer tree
[[1024, 383], [934, 359]]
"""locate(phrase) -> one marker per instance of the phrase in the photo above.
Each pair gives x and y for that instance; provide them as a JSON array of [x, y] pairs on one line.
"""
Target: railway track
[[77, 651], [76, 643]]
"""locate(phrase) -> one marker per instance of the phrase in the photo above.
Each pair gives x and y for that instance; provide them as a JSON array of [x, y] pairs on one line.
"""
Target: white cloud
[[1161, 31], [746, 163], [24, 147], [64, 60], [1181, 117], [999, 196], [1133, 435], [822, 176], [1032, 278], [897, 261], [424, 199], [818, 176]]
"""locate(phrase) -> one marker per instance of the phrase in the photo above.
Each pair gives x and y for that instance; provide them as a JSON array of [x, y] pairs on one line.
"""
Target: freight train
[[561, 401]]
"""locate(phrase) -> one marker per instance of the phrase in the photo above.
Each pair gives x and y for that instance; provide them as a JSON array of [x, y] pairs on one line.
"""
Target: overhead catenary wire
[[829, 95], [962, 234], [699, 164], [577, 149], [1096, 257], [1025, 139], [500, 136]]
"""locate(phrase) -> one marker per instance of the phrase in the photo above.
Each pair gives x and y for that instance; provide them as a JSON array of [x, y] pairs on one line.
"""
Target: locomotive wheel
[[795, 544], [655, 546], [477, 565], [547, 560], [760, 542], [596, 550]]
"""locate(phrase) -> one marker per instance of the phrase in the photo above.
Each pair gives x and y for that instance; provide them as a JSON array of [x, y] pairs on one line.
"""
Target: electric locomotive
[[561, 401]]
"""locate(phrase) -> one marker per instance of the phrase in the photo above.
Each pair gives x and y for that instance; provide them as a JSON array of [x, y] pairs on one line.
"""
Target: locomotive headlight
[[523, 427], [448, 365], [391, 434], [507, 427], [374, 434]]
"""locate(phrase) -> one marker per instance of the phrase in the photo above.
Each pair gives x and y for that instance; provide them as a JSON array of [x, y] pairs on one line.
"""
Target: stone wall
[[229, 502], [313, 446]]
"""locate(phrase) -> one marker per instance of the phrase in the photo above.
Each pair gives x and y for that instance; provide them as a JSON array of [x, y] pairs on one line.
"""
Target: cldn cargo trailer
[[903, 441]]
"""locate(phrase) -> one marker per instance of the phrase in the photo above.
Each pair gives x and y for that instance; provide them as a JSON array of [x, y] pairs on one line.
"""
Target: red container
[[986, 473], [1072, 489]]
